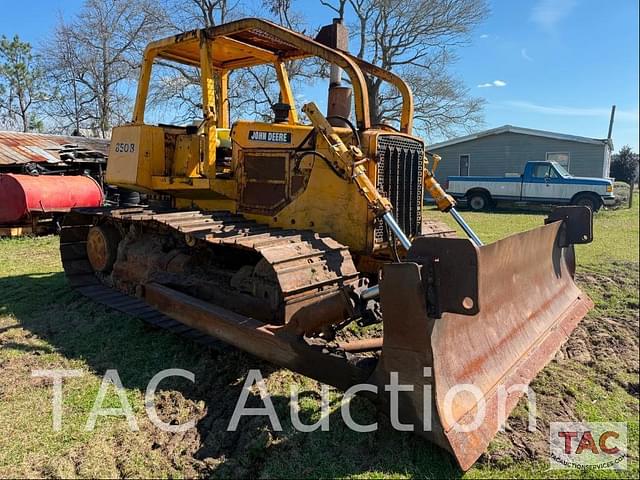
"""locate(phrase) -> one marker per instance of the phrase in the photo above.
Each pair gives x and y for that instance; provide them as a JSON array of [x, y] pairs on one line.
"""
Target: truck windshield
[[560, 169]]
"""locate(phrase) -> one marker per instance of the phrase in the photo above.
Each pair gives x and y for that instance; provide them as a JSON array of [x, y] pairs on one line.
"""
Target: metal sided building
[[505, 151], [52, 152]]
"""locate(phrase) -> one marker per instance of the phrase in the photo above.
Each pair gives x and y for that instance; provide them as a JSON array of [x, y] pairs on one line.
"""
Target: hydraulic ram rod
[[444, 201], [397, 231], [467, 229], [347, 161], [374, 292], [406, 243]]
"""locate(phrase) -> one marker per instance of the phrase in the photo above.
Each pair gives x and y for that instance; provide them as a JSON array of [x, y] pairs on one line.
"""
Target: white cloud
[[495, 83], [547, 13], [573, 111], [525, 55], [484, 35]]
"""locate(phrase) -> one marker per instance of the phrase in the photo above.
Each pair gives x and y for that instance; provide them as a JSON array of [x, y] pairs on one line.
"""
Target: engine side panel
[[274, 177]]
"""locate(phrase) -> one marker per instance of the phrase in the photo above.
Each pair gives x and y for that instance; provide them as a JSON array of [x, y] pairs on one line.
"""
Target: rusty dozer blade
[[469, 327]]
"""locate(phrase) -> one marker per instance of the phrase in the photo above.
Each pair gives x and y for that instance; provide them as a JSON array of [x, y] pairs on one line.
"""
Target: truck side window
[[540, 171]]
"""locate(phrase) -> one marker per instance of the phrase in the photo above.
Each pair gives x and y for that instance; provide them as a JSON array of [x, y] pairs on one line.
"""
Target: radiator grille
[[400, 180]]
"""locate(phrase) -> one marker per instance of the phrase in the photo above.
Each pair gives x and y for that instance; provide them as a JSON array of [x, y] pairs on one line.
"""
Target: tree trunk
[[106, 67], [373, 89], [630, 194], [24, 116]]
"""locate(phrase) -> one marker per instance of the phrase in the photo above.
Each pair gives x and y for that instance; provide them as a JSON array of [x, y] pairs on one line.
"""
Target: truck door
[[541, 183]]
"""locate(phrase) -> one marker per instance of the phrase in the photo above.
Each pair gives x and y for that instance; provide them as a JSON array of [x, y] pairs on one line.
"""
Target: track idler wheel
[[102, 247]]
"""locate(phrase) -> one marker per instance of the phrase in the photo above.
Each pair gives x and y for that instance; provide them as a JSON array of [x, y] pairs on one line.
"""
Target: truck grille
[[400, 180]]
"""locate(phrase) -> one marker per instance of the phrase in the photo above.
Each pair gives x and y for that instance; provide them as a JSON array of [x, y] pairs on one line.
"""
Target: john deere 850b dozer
[[280, 234]]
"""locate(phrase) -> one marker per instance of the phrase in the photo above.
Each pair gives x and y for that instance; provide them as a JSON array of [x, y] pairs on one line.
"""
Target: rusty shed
[[24, 152]]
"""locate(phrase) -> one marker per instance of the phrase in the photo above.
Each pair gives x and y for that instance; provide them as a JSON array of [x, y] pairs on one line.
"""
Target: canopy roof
[[251, 41], [243, 43]]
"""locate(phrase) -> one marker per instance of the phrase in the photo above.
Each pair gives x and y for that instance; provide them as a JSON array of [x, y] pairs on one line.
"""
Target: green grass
[[43, 324], [616, 232]]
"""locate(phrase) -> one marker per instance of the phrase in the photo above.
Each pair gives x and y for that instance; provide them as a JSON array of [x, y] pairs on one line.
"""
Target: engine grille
[[400, 180]]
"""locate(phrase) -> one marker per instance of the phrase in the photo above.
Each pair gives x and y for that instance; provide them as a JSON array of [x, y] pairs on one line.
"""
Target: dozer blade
[[468, 328]]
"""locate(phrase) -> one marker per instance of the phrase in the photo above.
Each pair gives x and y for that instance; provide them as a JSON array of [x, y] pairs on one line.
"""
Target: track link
[[307, 265]]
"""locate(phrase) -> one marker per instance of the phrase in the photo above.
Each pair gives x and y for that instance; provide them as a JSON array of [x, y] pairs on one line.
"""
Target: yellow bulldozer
[[277, 237]]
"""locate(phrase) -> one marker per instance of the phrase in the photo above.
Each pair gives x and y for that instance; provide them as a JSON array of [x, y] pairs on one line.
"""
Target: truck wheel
[[478, 201], [588, 200]]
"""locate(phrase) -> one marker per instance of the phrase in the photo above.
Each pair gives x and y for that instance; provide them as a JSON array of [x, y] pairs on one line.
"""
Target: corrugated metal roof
[[521, 130], [17, 148]]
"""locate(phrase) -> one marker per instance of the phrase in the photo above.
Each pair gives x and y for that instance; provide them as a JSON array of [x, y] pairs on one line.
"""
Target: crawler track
[[307, 266]]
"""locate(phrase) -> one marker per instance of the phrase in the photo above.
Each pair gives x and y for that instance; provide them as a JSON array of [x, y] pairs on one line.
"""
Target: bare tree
[[175, 93], [281, 9], [70, 106], [97, 56], [184, 15], [21, 84], [252, 90], [417, 39]]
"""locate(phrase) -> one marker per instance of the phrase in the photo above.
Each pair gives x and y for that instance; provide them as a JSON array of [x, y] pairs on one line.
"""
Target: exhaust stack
[[336, 36]]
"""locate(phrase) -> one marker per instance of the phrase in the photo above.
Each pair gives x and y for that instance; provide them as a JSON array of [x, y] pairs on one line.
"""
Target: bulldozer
[[279, 236]]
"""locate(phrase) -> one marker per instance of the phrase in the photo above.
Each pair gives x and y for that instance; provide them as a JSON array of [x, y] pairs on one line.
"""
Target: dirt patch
[[14, 369], [602, 350], [607, 340], [210, 449]]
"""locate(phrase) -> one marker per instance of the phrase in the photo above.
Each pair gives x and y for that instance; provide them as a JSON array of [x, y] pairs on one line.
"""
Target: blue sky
[[564, 62], [550, 64]]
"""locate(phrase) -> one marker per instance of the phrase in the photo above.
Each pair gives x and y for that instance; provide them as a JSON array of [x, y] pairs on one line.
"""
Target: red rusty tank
[[24, 196]]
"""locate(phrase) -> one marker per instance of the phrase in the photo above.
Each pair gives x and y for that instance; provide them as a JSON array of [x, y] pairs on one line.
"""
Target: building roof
[[17, 148], [520, 130]]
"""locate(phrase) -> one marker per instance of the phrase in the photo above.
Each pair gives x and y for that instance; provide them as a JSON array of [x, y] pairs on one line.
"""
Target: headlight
[[609, 188]]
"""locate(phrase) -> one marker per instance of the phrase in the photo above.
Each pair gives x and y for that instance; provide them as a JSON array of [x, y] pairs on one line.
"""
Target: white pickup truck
[[541, 182]]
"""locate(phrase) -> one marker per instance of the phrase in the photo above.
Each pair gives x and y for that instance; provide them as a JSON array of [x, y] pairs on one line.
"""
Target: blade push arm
[[444, 201], [347, 161]]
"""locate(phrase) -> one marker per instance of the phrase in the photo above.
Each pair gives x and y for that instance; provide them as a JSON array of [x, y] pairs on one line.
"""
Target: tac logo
[[593, 445]]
